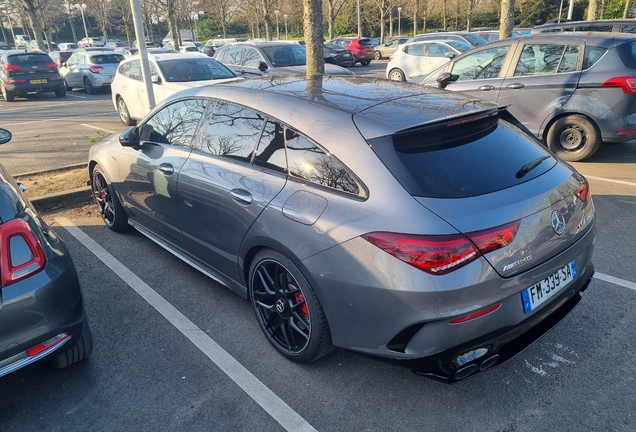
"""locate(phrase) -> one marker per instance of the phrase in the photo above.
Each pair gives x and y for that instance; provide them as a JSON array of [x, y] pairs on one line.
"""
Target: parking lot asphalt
[[176, 351]]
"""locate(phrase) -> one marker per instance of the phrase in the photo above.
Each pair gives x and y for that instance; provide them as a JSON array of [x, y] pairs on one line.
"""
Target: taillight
[[52, 65], [583, 192], [11, 67], [20, 252], [95, 69], [390, 58], [627, 83], [439, 255]]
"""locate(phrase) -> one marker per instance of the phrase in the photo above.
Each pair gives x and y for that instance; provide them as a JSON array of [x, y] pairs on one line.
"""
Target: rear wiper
[[530, 166]]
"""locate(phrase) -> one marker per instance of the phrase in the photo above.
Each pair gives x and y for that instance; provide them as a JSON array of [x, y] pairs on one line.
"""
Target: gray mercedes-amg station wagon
[[418, 226]]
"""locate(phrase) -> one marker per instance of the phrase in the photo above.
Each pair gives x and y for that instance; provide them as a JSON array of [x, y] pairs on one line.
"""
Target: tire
[[287, 309], [110, 208], [7, 95], [78, 352], [365, 63], [377, 55], [89, 87], [61, 92], [573, 138], [68, 88], [396, 75], [124, 115]]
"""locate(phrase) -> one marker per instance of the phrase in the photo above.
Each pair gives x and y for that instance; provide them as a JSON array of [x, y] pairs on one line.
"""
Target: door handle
[[486, 88], [166, 168], [241, 196], [515, 86]]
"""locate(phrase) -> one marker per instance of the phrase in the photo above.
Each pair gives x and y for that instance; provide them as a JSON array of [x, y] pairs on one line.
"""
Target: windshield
[[195, 69], [475, 40], [287, 55], [459, 46]]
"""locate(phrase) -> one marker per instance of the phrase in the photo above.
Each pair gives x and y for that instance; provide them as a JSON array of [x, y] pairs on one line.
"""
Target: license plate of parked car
[[39, 81], [542, 291]]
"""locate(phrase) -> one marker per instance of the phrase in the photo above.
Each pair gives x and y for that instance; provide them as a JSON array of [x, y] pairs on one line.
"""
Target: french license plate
[[40, 81], [543, 290]]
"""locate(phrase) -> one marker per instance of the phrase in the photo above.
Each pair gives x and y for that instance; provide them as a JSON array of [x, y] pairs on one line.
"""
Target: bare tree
[[469, 14], [507, 21], [592, 10], [32, 8], [334, 8], [627, 7]]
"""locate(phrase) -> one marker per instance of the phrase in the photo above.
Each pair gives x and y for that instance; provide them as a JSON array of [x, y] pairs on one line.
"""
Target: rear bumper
[[39, 308], [34, 88]]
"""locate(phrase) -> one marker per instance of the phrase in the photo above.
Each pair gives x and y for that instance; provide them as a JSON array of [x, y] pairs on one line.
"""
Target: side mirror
[[262, 66], [129, 137], [450, 55], [156, 79], [443, 79], [5, 136]]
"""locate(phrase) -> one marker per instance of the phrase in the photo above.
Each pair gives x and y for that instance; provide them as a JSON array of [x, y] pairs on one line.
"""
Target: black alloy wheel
[[365, 63], [89, 87], [287, 309], [110, 209]]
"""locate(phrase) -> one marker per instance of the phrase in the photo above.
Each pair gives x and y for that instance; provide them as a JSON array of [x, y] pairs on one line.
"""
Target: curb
[[72, 198], [64, 168]]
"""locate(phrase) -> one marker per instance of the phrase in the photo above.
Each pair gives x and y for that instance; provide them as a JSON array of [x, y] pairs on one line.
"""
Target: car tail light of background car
[[11, 67], [20, 252], [442, 254], [52, 65], [96, 69]]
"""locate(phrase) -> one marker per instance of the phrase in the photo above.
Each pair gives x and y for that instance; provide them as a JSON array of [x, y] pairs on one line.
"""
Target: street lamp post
[[276, 12], [285, 17], [399, 20], [82, 8]]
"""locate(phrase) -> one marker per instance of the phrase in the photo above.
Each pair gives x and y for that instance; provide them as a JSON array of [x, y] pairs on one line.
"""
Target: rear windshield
[[29, 58], [107, 58], [365, 42], [627, 53], [463, 159]]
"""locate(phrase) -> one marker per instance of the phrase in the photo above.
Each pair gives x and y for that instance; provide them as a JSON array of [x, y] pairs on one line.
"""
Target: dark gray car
[[269, 58], [572, 90], [41, 308], [418, 226]]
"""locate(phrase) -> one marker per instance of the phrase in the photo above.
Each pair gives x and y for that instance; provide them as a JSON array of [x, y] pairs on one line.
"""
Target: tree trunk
[[445, 23], [312, 24], [626, 10], [592, 10], [34, 22], [507, 21]]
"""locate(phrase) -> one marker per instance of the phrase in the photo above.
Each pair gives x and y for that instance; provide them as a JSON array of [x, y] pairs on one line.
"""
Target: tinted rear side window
[[592, 55], [471, 159], [627, 53]]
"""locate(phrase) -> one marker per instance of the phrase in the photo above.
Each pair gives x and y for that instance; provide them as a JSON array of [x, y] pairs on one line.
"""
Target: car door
[[413, 60], [481, 73], [70, 71], [150, 172], [222, 191], [545, 76]]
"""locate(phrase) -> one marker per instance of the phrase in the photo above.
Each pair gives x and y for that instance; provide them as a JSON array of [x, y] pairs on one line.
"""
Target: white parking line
[[61, 119], [610, 180], [31, 108], [75, 96], [97, 128], [616, 281], [272, 404]]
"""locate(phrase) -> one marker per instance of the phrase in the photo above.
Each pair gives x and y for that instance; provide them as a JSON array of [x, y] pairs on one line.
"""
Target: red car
[[362, 48]]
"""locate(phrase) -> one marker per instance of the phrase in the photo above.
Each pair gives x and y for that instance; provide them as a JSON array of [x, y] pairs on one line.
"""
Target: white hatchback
[[419, 58], [170, 73]]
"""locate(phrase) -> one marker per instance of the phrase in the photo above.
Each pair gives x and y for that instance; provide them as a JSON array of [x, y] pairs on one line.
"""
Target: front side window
[[481, 65], [232, 132], [438, 50], [175, 124]]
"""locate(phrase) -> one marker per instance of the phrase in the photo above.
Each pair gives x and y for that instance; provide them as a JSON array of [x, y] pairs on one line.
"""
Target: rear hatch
[[105, 64], [486, 177], [31, 66]]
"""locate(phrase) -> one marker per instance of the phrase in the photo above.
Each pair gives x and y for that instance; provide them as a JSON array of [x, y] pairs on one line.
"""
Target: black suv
[[23, 71]]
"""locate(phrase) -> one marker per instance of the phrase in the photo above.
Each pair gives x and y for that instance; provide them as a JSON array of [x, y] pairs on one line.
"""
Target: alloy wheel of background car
[[573, 138], [110, 209], [287, 309], [396, 75], [7, 95], [61, 92], [377, 55], [124, 115], [88, 86]]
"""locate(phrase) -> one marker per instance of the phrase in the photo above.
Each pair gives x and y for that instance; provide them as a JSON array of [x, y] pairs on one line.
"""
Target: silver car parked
[[418, 226], [92, 70]]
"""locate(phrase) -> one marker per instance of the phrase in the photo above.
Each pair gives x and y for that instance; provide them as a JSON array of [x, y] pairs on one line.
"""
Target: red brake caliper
[[299, 297]]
